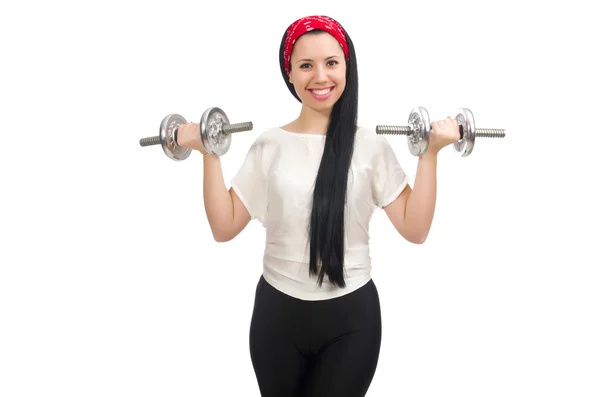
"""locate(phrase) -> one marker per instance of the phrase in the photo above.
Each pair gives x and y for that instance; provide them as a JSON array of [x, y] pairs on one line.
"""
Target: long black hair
[[327, 231]]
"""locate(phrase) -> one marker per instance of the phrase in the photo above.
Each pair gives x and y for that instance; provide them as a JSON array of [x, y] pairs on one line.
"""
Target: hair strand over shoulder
[[327, 221]]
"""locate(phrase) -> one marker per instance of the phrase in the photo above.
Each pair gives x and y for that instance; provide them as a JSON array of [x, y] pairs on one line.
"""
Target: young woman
[[314, 184]]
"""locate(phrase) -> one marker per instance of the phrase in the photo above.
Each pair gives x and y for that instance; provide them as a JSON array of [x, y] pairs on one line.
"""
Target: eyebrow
[[310, 60]]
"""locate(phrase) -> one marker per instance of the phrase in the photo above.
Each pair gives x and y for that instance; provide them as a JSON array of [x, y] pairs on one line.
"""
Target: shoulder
[[268, 138], [266, 146], [368, 139]]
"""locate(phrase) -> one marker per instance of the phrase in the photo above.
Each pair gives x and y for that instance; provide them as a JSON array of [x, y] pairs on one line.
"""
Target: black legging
[[315, 348]]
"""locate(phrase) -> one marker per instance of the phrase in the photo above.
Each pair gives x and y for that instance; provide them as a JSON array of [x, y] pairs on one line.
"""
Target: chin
[[323, 108]]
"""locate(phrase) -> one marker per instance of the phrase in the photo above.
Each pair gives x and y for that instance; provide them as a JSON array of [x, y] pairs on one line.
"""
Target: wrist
[[429, 155]]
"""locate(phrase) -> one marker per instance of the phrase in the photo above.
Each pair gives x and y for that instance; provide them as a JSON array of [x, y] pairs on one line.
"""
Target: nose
[[320, 74]]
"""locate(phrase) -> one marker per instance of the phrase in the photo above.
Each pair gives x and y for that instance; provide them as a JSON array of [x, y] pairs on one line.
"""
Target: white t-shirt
[[275, 183]]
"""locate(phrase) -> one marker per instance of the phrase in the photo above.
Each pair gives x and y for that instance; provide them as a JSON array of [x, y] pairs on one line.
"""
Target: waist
[[288, 271], [353, 255]]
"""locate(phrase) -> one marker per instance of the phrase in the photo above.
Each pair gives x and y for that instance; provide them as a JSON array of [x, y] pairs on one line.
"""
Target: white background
[[111, 283]]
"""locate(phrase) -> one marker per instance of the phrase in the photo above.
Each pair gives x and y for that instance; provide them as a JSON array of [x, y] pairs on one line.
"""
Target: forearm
[[217, 199], [420, 205]]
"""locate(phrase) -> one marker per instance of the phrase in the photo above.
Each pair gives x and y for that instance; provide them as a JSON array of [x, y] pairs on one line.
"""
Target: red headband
[[307, 24]]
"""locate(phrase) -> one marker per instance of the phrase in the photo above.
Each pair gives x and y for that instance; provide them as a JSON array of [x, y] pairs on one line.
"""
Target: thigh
[[278, 362], [345, 368], [345, 365]]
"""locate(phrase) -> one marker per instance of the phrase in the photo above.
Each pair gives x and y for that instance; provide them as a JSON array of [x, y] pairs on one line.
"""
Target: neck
[[311, 121]]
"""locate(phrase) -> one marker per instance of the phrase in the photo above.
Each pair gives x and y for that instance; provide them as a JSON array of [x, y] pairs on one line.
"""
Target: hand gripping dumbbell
[[215, 133], [418, 131]]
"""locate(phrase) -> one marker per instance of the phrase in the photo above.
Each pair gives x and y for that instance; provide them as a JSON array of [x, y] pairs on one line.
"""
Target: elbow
[[222, 237], [223, 232], [417, 235], [419, 240], [416, 238]]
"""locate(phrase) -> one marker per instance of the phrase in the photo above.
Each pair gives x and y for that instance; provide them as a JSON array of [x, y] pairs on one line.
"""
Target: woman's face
[[318, 70]]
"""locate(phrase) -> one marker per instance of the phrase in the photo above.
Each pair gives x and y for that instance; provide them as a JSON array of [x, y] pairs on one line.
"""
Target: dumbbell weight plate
[[418, 141], [215, 141], [466, 123], [168, 138]]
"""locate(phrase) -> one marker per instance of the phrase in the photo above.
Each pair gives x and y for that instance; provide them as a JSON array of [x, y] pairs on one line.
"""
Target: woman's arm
[[227, 215], [412, 212]]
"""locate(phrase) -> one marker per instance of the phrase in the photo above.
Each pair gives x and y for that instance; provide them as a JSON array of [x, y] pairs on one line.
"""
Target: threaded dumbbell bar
[[418, 131], [215, 133]]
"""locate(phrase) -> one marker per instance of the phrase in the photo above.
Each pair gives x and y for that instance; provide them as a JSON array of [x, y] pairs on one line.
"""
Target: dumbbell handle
[[227, 129], [408, 130]]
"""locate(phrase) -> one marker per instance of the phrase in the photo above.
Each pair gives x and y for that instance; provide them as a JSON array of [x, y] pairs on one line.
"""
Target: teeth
[[321, 92]]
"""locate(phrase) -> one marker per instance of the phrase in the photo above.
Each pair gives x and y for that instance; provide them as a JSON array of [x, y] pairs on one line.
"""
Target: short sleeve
[[250, 183], [389, 179]]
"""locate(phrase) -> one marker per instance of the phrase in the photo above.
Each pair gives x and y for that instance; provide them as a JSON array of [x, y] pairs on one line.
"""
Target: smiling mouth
[[321, 91]]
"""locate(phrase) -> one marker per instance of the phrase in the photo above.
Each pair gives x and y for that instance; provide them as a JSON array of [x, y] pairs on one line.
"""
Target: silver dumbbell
[[215, 133], [418, 131]]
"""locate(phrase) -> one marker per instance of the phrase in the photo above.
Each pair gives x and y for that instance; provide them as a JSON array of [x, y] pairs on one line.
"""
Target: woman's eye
[[307, 65]]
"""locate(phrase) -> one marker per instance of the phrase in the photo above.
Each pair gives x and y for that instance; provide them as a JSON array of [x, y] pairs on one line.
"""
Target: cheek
[[299, 82], [341, 76], [341, 82]]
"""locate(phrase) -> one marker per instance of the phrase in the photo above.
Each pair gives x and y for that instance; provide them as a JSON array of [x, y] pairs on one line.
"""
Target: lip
[[321, 97]]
